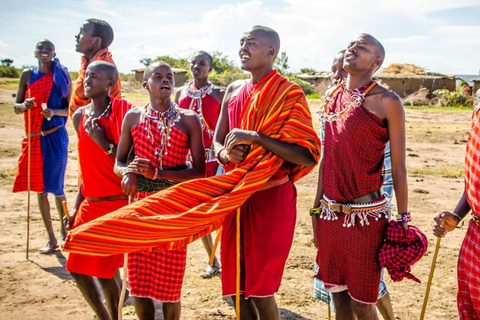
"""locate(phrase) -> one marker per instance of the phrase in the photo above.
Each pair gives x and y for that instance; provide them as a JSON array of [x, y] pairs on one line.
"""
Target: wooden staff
[[29, 153], [430, 277], [215, 244], [237, 291], [329, 312], [124, 287], [65, 210]]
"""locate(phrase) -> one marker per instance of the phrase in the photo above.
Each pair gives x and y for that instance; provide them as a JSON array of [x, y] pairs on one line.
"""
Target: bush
[[9, 72], [227, 77], [306, 86], [446, 98]]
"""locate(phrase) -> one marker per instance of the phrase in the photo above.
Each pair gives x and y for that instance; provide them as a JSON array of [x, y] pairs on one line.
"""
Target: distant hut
[[179, 75]]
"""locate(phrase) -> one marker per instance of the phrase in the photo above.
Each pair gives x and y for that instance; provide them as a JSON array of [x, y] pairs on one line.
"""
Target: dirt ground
[[40, 288]]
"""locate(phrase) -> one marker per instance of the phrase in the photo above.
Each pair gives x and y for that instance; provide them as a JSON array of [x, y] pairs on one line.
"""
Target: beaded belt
[[149, 185]]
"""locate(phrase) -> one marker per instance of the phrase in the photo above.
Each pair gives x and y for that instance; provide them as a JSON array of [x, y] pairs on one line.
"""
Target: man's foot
[[210, 271], [49, 248]]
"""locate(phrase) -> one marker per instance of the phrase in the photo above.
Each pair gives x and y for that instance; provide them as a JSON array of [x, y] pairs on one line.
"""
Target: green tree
[[7, 62], [145, 61], [281, 63]]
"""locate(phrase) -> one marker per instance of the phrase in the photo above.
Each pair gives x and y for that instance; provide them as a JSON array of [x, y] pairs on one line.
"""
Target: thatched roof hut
[[179, 75]]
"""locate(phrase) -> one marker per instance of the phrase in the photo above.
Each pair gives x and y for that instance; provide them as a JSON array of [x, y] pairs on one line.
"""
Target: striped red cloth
[[468, 297], [40, 90], [401, 250], [78, 98], [472, 168], [175, 217]]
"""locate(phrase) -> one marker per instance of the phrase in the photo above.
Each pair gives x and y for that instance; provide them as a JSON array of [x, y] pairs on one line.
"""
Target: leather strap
[[367, 198], [44, 133]]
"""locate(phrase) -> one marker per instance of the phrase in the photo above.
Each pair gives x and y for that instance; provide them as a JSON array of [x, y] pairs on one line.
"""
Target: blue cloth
[[55, 145], [61, 78]]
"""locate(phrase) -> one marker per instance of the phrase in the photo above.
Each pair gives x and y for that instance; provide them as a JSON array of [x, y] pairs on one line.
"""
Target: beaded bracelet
[[314, 211], [217, 156], [110, 149], [404, 217]]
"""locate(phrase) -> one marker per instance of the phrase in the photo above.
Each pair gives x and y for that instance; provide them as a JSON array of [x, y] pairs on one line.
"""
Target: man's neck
[[89, 55], [100, 104], [355, 81], [258, 75], [45, 67], [200, 83], [160, 104]]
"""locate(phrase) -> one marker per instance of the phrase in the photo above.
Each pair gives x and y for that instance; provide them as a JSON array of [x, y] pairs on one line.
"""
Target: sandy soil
[[40, 288]]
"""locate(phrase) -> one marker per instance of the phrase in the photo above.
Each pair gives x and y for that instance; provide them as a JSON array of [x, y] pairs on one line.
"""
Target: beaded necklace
[[104, 113], [164, 121], [196, 103], [357, 100]]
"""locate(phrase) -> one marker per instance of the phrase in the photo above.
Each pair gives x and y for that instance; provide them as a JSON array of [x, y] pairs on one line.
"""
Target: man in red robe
[[98, 126], [204, 98], [268, 216], [93, 40]]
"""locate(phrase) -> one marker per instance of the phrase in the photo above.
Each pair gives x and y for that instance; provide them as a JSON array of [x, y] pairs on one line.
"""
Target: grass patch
[[313, 96], [454, 173], [7, 176], [440, 109], [8, 83], [134, 95]]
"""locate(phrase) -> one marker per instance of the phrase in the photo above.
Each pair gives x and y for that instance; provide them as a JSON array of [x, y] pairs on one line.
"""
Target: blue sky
[[440, 36]]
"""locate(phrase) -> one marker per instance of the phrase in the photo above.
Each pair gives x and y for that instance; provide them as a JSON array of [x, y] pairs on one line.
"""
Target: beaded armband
[[217, 156], [404, 217], [155, 175], [314, 211]]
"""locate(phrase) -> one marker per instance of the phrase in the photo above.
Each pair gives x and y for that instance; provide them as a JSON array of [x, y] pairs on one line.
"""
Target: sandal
[[49, 248], [210, 272]]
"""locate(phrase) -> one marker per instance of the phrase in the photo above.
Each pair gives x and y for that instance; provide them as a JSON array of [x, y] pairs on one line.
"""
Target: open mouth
[[165, 88]]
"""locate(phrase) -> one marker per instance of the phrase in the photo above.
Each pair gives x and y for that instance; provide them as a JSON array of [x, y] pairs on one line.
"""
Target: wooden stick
[[124, 287], [29, 154], [215, 245], [65, 210], [237, 291], [329, 312], [430, 277]]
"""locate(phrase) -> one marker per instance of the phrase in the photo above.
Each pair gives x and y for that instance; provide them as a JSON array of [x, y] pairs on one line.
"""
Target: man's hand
[[48, 113], [96, 132], [143, 167], [68, 223], [29, 103], [130, 185], [444, 222], [238, 137], [237, 154]]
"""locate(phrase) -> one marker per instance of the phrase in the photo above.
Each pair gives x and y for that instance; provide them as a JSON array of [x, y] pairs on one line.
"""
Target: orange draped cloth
[[179, 215], [78, 95]]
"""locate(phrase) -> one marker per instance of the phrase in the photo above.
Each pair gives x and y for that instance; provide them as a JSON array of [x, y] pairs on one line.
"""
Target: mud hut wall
[[180, 77], [406, 86]]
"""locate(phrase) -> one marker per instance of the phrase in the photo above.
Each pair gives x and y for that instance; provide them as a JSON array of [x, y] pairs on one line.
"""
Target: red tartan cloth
[[348, 256], [96, 166], [101, 267], [401, 250], [472, 161], [158, 275], [468, 271], [40, 90], [354, 150]]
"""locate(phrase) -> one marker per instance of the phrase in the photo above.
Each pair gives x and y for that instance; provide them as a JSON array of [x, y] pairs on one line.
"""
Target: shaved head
[[270, 35], [45, 41], [380, 50], [152, 66], [106, 67]]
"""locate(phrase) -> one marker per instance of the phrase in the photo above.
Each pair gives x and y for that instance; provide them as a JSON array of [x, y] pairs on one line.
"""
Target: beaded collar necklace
[[196, 103], [164, 121], [357, 100], [104, 113]]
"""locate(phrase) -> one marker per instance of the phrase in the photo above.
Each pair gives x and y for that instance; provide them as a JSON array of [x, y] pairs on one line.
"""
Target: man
[[468, 270], [383, 304], [276, 122], [43, 94], [361, 117], [93, 40], [205, 99], [268, 216], [162, 136], [98, 126]]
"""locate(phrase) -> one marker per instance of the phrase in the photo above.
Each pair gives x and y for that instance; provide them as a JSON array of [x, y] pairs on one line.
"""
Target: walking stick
[[124, 287], [29, 153], [430, 277], [237, 291], [329, 312], [215, 244]]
